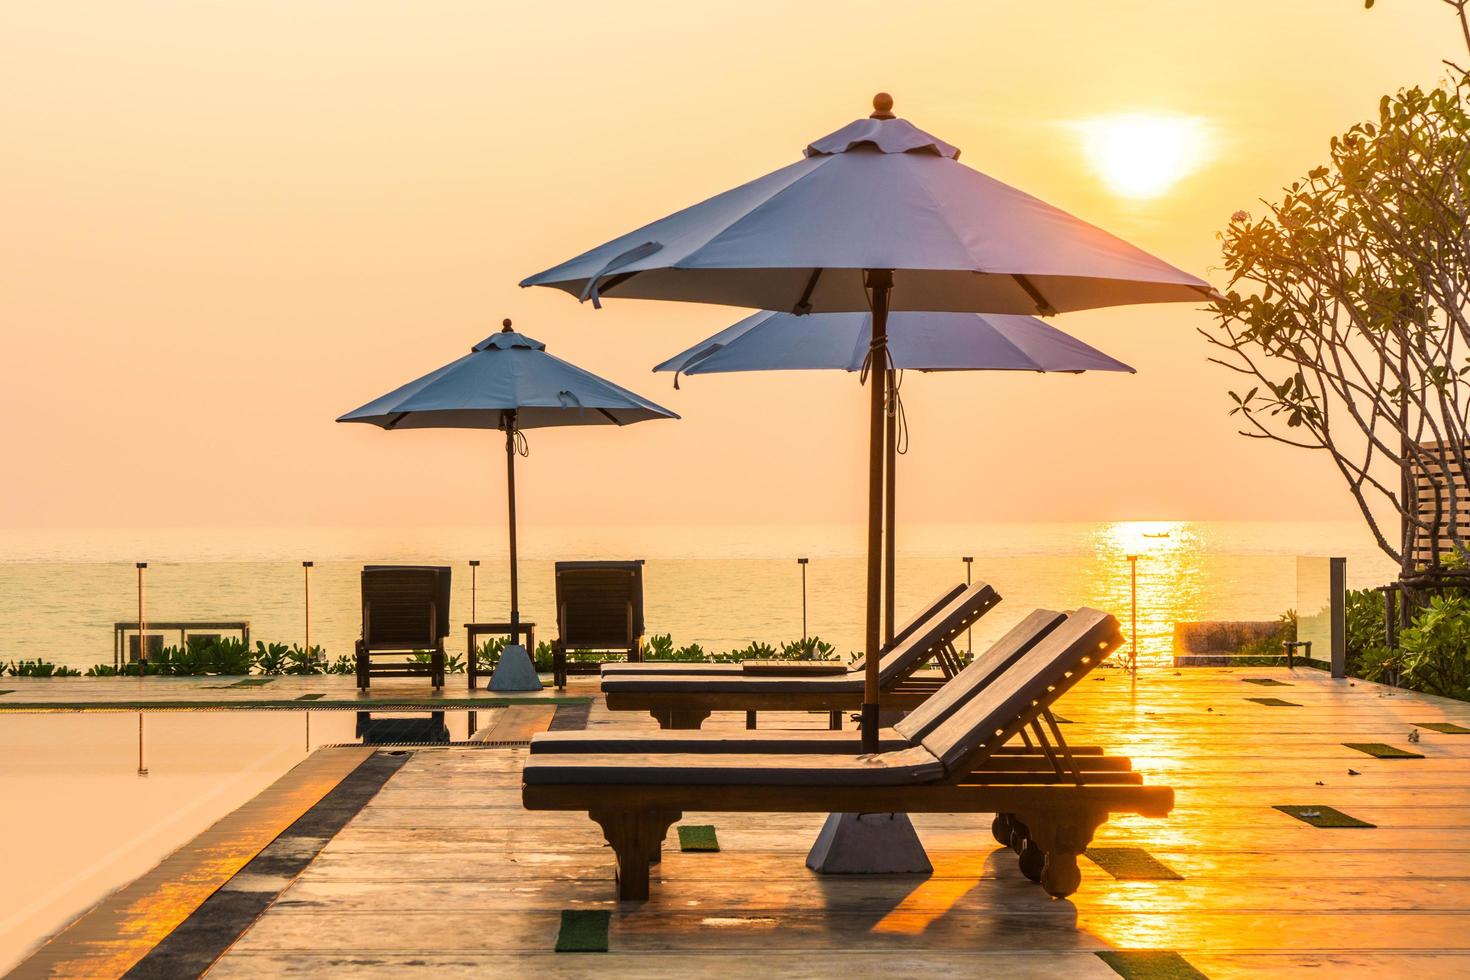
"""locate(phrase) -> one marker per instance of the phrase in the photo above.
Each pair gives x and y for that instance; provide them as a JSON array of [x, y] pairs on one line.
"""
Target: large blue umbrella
[[508, 382], [916, 341], [878, 216]]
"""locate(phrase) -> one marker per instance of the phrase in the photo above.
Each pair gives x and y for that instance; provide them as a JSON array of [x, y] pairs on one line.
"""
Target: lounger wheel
[[1061, 876], [1032, 862], [1019, 835], [1000, 829]]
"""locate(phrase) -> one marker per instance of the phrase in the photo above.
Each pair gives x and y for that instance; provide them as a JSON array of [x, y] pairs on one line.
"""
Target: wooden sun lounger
[[957, 768], [907, 733], [739, 668], [686, 700]]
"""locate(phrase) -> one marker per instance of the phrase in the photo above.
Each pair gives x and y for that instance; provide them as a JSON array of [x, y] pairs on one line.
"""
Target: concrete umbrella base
[[515, 672], [868, 843]]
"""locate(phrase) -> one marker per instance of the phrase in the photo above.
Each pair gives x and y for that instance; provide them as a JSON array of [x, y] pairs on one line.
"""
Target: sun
[[1144, 154]]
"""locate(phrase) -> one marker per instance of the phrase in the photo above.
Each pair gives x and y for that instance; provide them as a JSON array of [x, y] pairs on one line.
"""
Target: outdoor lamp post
[[802, 562], [306, 595], [1133, 629], [142, 643], [969, 633], [474, 573]]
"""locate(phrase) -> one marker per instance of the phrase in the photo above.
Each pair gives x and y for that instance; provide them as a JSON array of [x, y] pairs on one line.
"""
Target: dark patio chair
[[599, 610], [405, 611]]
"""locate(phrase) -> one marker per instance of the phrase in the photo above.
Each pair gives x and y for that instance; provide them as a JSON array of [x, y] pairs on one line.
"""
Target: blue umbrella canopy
[[879, 193], [916, 341], [507, 378]]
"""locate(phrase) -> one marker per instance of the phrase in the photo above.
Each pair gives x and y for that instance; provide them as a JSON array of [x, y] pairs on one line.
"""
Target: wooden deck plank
[[446, 841]]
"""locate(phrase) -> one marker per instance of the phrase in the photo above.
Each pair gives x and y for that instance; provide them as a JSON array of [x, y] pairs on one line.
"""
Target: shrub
[[1434, 652], [342, 665], [660, 646], [272, 659], [102, 670], [811, 648], [300, 661], [543, 657], [33, 668]]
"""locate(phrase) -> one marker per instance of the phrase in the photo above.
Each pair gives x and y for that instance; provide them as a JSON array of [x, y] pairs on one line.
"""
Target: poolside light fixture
[[474, 572], [306, 595], [878, 216], [142, 651], [969, 632], [508, 382], [802, 563], [1133, 629]]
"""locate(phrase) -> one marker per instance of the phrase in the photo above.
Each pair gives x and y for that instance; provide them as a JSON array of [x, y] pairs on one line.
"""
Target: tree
[[1348, 311]]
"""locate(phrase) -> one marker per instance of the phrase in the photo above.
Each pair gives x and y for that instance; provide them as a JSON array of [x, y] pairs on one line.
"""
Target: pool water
[[78, 819]]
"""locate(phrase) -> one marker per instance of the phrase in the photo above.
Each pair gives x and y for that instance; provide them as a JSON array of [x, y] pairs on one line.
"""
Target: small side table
[[473, 631]]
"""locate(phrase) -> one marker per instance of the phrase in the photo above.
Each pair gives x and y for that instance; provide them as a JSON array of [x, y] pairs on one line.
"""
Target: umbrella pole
[[510, 494], [890, 504], [880, 281]]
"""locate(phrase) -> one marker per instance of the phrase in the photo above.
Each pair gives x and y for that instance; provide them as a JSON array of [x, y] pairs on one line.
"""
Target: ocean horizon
[[720, 586]]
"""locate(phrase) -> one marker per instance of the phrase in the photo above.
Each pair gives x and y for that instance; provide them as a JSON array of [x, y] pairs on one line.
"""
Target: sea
[[723, 587]]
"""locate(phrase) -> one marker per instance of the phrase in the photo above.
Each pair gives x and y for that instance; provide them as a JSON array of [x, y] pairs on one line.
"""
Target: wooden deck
[[319, 692], [444, 873]]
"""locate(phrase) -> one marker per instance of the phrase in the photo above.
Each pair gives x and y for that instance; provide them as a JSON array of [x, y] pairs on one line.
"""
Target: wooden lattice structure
[[1439, 493]]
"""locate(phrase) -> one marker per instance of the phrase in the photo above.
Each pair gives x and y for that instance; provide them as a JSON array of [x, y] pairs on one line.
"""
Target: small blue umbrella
[[508, 382], [916, 341]]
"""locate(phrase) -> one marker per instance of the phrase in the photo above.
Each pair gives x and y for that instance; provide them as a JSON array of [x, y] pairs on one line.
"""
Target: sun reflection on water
[[1169, 582]]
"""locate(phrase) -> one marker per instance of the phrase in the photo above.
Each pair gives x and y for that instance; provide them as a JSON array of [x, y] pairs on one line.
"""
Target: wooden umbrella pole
[[880, 281], [510, 493], [890, 504]]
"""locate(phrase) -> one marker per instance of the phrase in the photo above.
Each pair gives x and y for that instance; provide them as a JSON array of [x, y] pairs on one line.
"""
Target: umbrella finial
[[882, 106], [505, 325]]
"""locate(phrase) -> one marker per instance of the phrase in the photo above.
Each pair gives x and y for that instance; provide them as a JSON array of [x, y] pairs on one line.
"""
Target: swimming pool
[[79, 819]]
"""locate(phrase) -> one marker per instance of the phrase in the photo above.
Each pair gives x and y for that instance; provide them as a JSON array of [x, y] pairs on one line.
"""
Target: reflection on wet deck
[[446, 844]]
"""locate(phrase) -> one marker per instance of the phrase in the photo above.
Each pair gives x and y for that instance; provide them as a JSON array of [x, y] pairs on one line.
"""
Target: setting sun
[[1143, 155]]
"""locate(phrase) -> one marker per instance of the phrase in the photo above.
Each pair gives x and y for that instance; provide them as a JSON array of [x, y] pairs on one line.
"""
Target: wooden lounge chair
[[685, 700], [599, 609], [737, 668], [907, 733], [405, 611], [956, 768]]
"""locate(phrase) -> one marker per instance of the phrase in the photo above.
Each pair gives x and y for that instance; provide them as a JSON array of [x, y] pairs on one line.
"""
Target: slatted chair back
[[959, 614], [1017, 697], [985, 668], [920, 618], [404, 607], [599, 604]]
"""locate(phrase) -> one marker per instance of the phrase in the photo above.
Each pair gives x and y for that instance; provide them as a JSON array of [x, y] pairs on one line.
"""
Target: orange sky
[[223, 224]]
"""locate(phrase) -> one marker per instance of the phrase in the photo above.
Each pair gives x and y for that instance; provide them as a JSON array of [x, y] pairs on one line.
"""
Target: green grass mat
[[310, 697], [1265, 681], [1150, 964], [1380, 750], [1275, 702], [1131, 863], [1326, 816], [6, 692], [247, 682], [1443, 727], [583, 931], [698, 837]]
